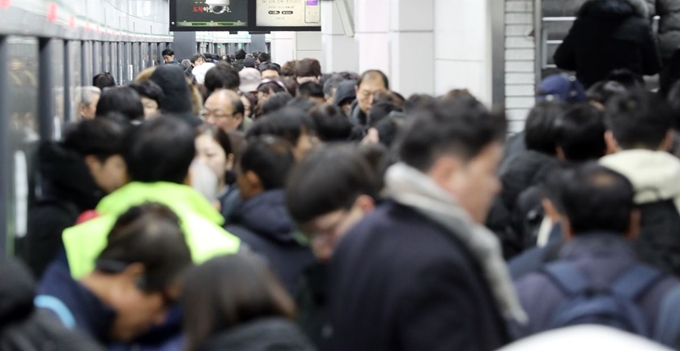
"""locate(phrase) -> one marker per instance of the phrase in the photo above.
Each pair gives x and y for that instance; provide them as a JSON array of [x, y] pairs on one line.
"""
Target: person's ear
[[612, 144], [365, 203], [667, 143], [93, 163], [253, 180], [230, 162], [239, 116], [634, 225], [443, 170], [187, 179], [550, 210], [560, 154], [567, 230], [135, 273]]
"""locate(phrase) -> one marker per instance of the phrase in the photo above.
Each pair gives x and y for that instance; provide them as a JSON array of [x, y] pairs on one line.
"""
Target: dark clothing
[[312, 302], [602, 257], [399, 281], [609, 35], [176, 100], [22, 326], [357, 116], [68, 189], [230, 202], [659, 241], [238, 64], [90, 314], [264, 224], [669, 25], [534, 259], [269, 334], [345, 93]]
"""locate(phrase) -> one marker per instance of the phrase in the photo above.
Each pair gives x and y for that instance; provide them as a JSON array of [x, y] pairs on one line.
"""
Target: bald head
[[370, 83], [225, 110]]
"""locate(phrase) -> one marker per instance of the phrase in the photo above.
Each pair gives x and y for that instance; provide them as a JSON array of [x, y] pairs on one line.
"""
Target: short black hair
[[595, 198], [308, 68], [198, 56], [148, 89], [276, 102], [626, 77], [580, 133], [222, 76], [123, 100], [241, 55], [331, 124], [418, 101], [539, 128], [249, 63], [458, 127], [104, 80], [329, 179], [270, 158], [168, 52], [310, 90], [160, 150], [639, 119], [373, 73], [331, 85], [100, 137], [602, 91], [266, 66], [390, 128], [264, 57], [270, 84], [149, 234], [287, 123], [380, 111], [301, 103]]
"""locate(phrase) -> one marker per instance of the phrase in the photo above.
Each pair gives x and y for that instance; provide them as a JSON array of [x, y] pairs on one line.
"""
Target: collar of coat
[[616, 8], [412, 188]]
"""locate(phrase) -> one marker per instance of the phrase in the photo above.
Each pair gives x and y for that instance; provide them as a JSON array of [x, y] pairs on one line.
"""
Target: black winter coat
[[400, 282], [269, 334], [263, 223], [312, 303], [22, 326], [609, 35], [68, 189]]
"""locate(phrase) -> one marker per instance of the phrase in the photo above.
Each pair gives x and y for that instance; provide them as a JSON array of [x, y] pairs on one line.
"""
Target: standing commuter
[[422, 272], [370, 83], [222, 76], [291, 124], [176, 101], [151, 95], [86, 100], [103, 81], [75, 174], [262, 220], [609, 35], [238, 64], [225, 110], [121, 100], [169, 57]]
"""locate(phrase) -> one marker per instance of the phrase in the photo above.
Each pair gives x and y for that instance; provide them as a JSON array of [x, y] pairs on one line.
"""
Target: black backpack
[[615, 306]]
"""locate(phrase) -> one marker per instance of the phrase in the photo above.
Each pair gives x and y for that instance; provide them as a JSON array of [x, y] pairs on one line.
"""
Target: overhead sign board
[[288, 13]]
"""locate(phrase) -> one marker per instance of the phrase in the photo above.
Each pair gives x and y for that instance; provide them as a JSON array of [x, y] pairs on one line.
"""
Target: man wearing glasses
[[225, 110]]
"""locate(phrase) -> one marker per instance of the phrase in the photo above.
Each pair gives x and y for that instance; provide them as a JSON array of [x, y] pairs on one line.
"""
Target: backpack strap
[[668, 323], [58, 308], [636, 281], [567, 277]]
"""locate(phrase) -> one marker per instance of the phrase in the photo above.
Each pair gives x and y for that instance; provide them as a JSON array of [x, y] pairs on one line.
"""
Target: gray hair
[[84, 95]]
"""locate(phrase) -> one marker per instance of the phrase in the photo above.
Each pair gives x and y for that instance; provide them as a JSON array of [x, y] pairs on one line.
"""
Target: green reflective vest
[[202, 224]]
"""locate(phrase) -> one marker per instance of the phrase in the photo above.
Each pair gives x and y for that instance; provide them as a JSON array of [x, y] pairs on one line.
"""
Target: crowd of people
[[222, 203]]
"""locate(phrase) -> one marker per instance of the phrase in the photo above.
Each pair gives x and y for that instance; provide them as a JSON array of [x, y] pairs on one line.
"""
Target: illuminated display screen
[[288, 13], [201, 14]]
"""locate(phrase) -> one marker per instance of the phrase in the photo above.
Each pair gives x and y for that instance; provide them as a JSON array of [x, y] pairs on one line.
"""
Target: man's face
[[474, 183], [327, 230], [110, 174], [90, 111], [366, 93], [270, 73], [150, 108], [219, 111], [199, 62], [169, 58]]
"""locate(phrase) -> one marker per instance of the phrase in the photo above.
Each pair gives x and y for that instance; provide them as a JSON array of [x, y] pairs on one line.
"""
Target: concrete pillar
[[283, 47], [371, 23], [338, 50], [308, 45], [411, 44], [257, 43], [184, 45], [462, 42]]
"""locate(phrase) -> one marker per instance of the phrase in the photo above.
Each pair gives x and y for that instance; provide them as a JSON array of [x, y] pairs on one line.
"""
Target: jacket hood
[[16, 291], [266, 214], [271, 334], [177, 96], [65, 176], [180, 198], [613, 9], [654, 174], [346, 91]]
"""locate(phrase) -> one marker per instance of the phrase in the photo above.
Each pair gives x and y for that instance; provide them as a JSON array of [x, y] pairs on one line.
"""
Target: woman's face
[[213, 155], [247, 107]]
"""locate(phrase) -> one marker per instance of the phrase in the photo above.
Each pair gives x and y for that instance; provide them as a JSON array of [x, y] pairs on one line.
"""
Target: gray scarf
[[410, 187]]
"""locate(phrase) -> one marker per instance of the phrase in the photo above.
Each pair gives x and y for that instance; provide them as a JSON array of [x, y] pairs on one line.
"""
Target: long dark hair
[[229, 291]]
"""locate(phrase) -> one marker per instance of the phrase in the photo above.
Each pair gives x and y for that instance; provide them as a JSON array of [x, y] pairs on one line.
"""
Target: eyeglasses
[[217, 114]]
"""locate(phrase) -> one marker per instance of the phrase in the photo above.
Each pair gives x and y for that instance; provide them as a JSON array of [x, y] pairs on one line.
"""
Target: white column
[[308, 45], [412, 46], [371, 22], [283, 47], [462, 39], [338, 50]]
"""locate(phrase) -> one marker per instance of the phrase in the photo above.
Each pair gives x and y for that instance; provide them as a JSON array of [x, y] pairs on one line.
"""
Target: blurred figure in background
[[151, 95], [103, 81], [121, 100], [87, 99]]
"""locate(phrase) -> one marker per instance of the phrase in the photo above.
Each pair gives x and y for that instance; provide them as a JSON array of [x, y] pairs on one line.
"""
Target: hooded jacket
[[346, 92], [176, 100], [263, 223], [609, 35], [25, 328], [200, 221], [654, 175], [268, 334], [68, 189]]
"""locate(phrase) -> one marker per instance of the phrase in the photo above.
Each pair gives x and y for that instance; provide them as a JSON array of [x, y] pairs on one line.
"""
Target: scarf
[[412, 188]]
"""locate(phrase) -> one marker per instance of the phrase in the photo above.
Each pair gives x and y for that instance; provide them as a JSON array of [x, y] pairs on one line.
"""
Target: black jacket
[[176, 99], [269, 334], [264, 224], [25, 328], [399, 282], [68, 189], [609, 35], [312, 303], [602, 257]]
